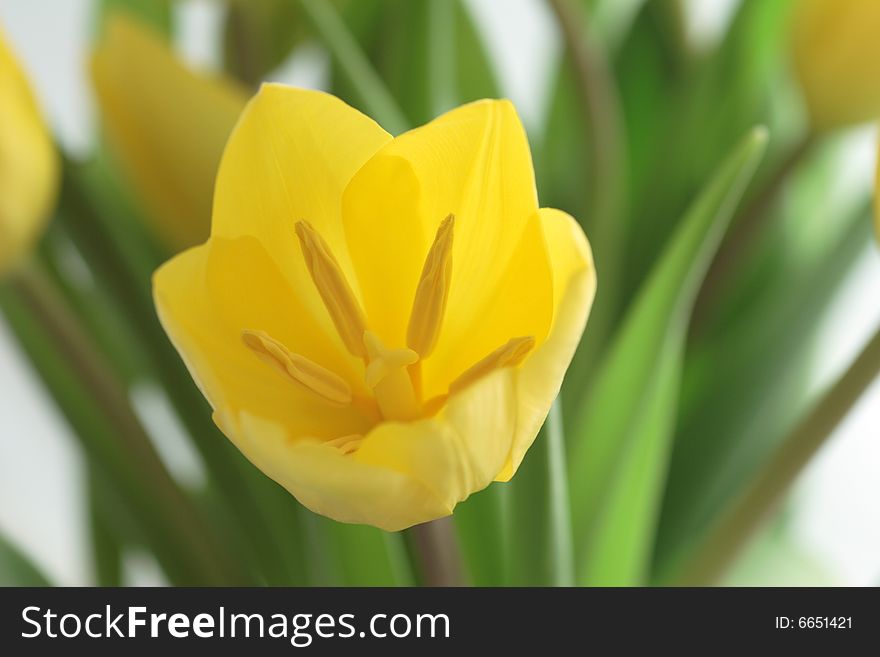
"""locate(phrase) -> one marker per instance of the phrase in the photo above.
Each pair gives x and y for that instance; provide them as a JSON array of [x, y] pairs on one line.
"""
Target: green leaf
[[482, 524], [677, 123], [106, 539], [258, 35], [618, 460], [371, 92], [761, 367], [95, 406], [157, 13], [355, 555], [428, 53], [539, 542], [255, 511], [16, 569]]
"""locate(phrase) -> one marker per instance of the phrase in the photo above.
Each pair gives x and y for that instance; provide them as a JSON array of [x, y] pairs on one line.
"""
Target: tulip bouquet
[[413, 344]]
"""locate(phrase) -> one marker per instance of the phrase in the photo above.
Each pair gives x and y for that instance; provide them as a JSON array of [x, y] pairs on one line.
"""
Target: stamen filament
[[509, 354], [429, 304], [307, 373], [344, 309]]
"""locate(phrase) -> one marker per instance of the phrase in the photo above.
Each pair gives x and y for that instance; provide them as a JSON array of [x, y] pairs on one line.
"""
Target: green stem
[[437, 549], [379, 103], [560, 535], [606, 175], [93, 400], [767, 489], [106, 544]]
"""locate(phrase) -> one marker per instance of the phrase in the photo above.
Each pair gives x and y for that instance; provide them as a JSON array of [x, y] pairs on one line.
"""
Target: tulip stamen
[[338, 297], [429, 304], [509, 354], [306, 373], [388, 376]]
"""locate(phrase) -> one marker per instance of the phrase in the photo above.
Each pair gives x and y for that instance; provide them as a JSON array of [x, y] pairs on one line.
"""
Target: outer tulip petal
[[28, 164], [332, 484], [540, 376], [290, 158], [167, 126], [206, 296], [402, 474], [837, 59], [461, 449], [473, 162]]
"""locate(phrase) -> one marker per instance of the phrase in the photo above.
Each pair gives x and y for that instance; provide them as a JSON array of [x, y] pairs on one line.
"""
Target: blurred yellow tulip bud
[[837, 58], [166, 126], [28, 163]]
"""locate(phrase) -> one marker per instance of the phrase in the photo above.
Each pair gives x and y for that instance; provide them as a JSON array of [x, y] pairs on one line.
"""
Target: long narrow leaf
[[626, 418], [16, 569]]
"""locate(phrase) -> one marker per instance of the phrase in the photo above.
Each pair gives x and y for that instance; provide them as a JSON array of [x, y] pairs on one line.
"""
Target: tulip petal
[[540, 376], [289, 159], [837, 60], [331, 483], [29, 165], [460, 450], [473, 162], [166, 125], [208, 295], [402, 474]]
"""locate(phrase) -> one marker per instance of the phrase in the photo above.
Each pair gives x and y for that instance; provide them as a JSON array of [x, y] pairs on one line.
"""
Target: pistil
[[388, 376]]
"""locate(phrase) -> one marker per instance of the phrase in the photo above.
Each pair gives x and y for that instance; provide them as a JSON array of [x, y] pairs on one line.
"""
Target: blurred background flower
[[678, 84], [28, 163]]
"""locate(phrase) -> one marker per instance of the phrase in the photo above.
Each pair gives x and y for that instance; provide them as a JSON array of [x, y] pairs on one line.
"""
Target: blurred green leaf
[[258, 515], [483, 528], [113, 438], [341, 554], [258, 35], [106, 543], [158, 13], [618, 461], [682, 125], [540, 541], [366, 556], [370, 92], [738, 400], [428, 53], [16, 569]]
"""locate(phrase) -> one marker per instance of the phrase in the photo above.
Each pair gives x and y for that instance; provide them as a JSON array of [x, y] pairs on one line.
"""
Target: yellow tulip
[[166, 126], [28, 164], [380, 324], [837, 60]]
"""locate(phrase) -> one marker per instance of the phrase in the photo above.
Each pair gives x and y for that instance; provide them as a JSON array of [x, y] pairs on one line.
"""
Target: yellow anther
[[510, 354], [432, 292], [303, 371], [387, 375], [344, 309]]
